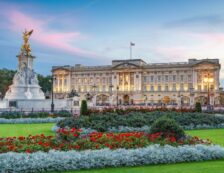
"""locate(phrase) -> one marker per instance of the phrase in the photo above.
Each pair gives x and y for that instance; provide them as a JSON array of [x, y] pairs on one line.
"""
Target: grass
[[215, 135], [9, 130]]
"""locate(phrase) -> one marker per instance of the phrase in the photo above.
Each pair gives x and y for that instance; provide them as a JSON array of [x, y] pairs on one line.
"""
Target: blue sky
[[93, 32]]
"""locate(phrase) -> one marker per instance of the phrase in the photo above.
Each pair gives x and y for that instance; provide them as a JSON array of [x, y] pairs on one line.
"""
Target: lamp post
[[117, 94], [94, 90], [208, 80], [111, 90], [145, 99], [52, 93]]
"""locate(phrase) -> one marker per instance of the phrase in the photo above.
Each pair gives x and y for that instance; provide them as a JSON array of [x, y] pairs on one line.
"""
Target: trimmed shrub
[[167, 126], [83, 109], [198, 107]]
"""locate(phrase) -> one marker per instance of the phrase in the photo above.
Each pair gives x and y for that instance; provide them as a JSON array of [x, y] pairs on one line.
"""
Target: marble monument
[[25, 83]]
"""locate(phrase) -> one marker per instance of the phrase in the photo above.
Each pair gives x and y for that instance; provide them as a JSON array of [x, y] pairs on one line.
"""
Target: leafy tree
[[44, 82], [6, 77]]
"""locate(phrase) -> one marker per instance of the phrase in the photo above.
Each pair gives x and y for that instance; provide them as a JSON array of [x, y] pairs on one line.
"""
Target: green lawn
[[25, 129], [216, 135]]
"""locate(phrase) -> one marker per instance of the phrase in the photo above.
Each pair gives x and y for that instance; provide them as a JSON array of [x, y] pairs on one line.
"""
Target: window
[[174, 87], [166, 88], [189, 77], [152, 77], [181, 87], [174, 77], [145, 88], [145, 79], [152, 88], [159, 78], [181, 77], [166, 78], [159, 88]]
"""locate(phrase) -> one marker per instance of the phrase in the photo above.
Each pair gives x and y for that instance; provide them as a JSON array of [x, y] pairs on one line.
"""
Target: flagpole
[[130, 51]]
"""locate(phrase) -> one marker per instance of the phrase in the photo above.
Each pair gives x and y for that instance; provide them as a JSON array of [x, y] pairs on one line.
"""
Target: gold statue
[[26, 46]]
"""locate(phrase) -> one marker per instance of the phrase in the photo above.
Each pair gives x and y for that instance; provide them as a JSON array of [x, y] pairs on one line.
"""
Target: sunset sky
[[94, 32]]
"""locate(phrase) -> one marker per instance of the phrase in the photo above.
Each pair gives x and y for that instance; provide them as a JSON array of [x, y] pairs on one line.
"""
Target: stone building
[[134, 81]]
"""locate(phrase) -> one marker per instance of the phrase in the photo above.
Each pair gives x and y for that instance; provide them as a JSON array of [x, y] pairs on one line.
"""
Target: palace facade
[[134, 81]]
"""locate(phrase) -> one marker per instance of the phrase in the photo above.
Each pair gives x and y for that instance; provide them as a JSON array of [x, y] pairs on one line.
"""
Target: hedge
[[101, 122], [19, 114], [73, 160], [30, 120]]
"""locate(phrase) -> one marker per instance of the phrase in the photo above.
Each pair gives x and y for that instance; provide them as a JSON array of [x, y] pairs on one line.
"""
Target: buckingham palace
[[136, 82]]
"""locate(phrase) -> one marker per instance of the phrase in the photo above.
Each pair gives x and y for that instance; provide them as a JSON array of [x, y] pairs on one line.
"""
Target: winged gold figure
[[26, 46]]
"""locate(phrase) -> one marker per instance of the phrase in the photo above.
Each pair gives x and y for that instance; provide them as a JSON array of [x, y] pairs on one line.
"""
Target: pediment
[[206, 65], [126, 65]]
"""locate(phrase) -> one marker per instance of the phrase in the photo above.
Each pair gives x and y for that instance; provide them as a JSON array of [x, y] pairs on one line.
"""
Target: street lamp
[[52, 93], [111, 90], [208, 80], [117, 94], [145, 99]]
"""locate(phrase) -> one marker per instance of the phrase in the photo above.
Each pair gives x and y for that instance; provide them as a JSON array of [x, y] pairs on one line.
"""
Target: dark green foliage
[[83, 109], [6, 77], [45, 83], [13, 115], [136, 119], [198, 107], [167, 126]]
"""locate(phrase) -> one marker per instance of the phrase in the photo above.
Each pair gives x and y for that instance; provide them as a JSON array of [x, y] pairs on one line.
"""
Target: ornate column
[[216, 78], [195, 79]]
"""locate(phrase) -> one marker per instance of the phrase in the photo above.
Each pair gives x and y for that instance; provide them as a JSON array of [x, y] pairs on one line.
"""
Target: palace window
[[159, 78], [159, 87], [145, 79], [152, 88], [152, 78], [166, 88], [181, 87], [166, 78], [174, 87], [181, 77], [174, 78], [189, 78]]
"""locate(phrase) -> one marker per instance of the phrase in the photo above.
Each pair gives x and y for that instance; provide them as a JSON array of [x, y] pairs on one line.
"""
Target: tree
[[83, 109], [6, 77], [198, 107], [44, 82]]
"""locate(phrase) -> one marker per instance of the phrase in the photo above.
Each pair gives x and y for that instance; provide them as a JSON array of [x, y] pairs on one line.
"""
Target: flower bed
[[73, 160], [71, 140], [30, 120]]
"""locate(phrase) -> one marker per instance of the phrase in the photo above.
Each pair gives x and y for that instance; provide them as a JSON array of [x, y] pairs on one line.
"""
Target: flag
[[132, 44]]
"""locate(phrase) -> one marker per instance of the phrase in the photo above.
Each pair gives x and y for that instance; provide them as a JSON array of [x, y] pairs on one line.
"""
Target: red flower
[[75, 135], [21, 138], [77, 147]]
